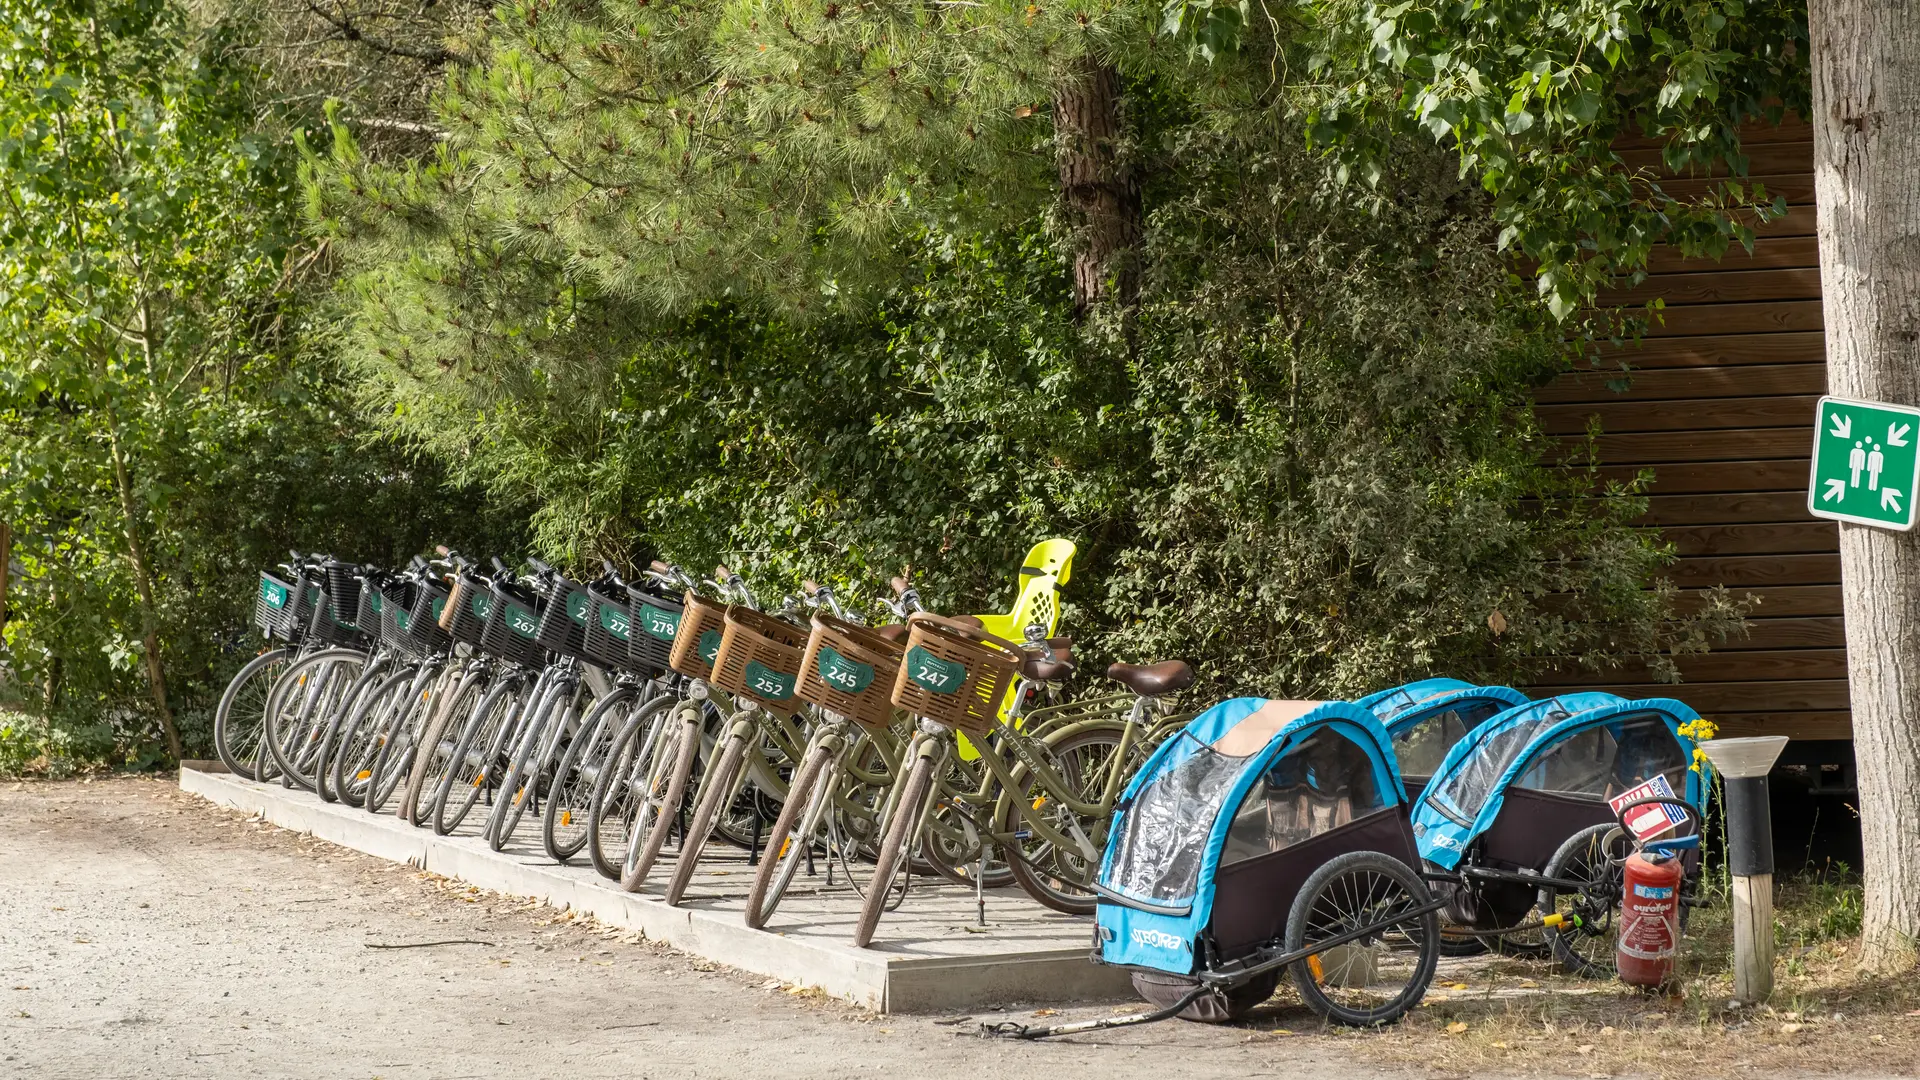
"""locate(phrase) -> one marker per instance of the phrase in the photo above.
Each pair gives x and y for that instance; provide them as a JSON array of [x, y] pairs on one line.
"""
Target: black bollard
[[1743, 765]]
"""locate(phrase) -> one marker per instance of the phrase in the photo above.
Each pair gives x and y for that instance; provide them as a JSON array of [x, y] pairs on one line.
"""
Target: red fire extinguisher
[[1650, 900]]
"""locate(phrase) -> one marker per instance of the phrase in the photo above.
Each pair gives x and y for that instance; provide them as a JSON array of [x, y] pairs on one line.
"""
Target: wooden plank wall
[[1720, 405]]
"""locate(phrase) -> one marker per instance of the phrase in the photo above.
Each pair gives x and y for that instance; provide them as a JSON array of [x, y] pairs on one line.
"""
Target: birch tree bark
[[1866, 139]]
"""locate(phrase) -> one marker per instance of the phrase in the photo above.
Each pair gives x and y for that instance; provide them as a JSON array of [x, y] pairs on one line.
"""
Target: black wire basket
[[656, 619], [565, 609], [609, 627], [513, 626], [343, 589], [423, 618], [328, 628], [396, 619], [465, 616], [368, 616], [272, 604]]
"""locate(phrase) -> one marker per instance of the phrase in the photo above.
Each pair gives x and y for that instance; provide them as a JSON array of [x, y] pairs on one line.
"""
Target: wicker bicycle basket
[[465, 616], [609, 628], [656, 622], [512, 622], [697, 640], [955, 674], [564, 610], [850, 670], [423, 621], [270, 605], [760, 658]]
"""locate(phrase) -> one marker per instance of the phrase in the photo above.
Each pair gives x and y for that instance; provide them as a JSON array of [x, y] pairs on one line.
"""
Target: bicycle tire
[[1586, 951], [323, 766], [650, 830], [807, 797], [612, 813], [570, 793], [293, 740], [353, 764], [422, 777], [520, 785], [236, 727], [1063, 885], [1362, 878], [894, 846], [494, 721], [394, 759], [719, 785]]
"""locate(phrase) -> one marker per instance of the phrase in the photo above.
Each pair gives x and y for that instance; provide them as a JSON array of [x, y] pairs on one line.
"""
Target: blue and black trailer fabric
[[1426, 718], [1542, 771], [1225, 821]]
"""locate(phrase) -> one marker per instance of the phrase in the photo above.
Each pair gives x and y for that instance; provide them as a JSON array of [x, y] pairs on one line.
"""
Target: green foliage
[[1531, 96], [1305, 460], [152, 409]]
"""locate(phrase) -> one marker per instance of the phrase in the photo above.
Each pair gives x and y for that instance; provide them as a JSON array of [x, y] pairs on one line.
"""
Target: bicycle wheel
[[1062, 879], [324, 764], [520, 786], [477, 754], [614, 802], [569, 814], [658, 799], [360, 737], [1379, 975], [1592, 857], [895, 847], [393, 759], [313, 688], [241, 716], [791, 840], [718, 790], [437, 744]]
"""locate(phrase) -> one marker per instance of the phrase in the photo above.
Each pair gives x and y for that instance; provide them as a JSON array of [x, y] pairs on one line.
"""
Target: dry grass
[[1826, 1015]]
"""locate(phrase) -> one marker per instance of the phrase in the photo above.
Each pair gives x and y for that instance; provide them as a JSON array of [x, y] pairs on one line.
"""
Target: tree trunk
[[1100, 190], [1866, 141], [6, 568], [143, 581]]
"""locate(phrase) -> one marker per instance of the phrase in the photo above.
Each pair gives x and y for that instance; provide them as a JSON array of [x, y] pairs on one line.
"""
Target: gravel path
[[145, 933]]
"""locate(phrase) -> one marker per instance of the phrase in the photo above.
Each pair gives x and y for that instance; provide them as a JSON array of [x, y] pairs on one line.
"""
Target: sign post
[[1866, 463]]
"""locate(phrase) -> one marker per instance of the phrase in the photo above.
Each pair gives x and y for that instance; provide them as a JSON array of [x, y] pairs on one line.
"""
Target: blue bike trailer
[[1426, 718], [1226, 820], [1521, 783]]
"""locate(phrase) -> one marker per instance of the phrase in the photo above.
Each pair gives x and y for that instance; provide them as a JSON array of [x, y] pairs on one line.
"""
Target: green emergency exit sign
[[1865, 463]]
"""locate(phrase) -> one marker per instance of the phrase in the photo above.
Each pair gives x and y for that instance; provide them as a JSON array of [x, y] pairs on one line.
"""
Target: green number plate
[[661, 624], [933, 673], [401, 619], [482, 605], [521, 621], [768, 683], [439, 607], [273, 593], [577, 607], [709, 645], [614, 621], [847, 676]]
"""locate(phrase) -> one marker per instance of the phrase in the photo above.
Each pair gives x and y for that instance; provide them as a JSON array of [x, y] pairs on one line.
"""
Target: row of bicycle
[[633, 720], [624, 716]]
